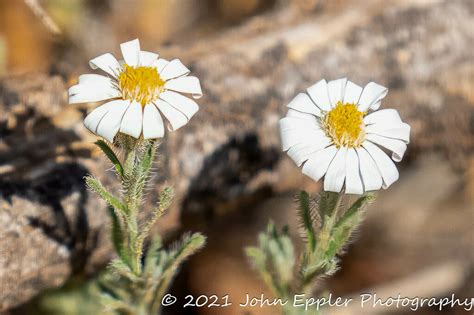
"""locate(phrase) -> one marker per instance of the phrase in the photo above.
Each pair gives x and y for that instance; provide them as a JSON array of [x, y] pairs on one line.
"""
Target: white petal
[[398, 147], [371, 96], [376, 105], [186, 84], [369, 171], [131, 52], [290, 138], [132, 120], [297, 114], [320, 95], [386, 167], [182, 103], [160, 64], [94, 79], [93, 90], [107, 63], [153, 126], [174, 69], [147, 58], [336, 90], [334, 179], [385, 116], [176, 118], [291, 123], [301, 152], [93, 119], [353, 180], [110, 123], [352, 93], [400, 131], [318, 163], [303, 103]]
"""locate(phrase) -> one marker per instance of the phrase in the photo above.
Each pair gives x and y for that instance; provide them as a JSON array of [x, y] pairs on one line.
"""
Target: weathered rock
[[228, 156]]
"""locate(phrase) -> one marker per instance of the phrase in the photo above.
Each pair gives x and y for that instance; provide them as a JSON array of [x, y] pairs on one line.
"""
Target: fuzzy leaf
[[328, 203], [95, 185], [148, 156], [118, 236], [356, 206], [166, 197], [306, 218], [112, 291], [274, 259], [109, 152], [259, 261], [153, 253], [348, 222], [187, 247], [119, 267]]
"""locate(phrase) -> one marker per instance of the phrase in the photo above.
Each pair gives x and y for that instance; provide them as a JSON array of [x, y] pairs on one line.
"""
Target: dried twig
[[45, 18]]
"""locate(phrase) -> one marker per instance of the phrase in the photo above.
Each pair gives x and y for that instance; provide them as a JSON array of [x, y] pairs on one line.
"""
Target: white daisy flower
[[335, 130], [140, 89]]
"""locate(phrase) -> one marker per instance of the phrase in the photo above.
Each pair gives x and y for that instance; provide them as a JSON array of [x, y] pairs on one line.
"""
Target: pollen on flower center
[[344, 125], [142, 84]]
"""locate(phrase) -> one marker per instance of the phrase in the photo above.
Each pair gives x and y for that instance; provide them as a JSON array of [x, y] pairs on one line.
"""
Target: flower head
[[139, 90], [335, 131]]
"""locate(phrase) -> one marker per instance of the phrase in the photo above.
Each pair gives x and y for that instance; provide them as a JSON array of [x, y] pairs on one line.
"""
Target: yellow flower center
[[142, 84], [344, 125]]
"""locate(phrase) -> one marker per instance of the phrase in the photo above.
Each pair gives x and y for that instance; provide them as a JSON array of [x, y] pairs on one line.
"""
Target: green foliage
[[123, 292], [307, 216], [118, 236], [166, 197], [76, 297], [349, 221], [135, 283], [326, 231], [96, 186], [138, 166], [274, 259], [169, 262], [328, 203]]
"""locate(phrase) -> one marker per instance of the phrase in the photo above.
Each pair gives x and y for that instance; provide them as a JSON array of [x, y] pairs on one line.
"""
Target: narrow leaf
[[356, 206], [119, 267], [274, 259], [96, 186], [189, 246], [328, 202], [111, 155], [348, 222], [259, 261], [118, 236], [147, 158], [152, 255], [304, 212]]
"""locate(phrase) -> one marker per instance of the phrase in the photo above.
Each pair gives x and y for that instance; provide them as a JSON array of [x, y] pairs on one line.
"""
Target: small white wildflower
[[140, 88], [335, 130]]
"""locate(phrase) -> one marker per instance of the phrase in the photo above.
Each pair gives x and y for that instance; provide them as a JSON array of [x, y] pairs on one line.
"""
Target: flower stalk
[[136, 95], [136, 281]]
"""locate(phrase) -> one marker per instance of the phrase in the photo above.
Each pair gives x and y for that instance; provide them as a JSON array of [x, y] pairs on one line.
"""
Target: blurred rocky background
[[252, 57]]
